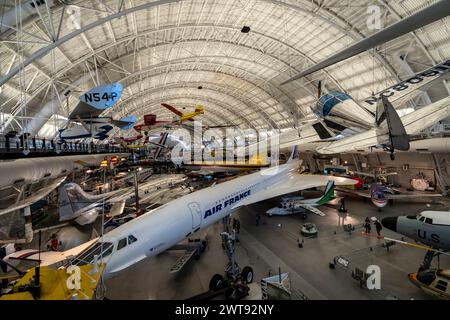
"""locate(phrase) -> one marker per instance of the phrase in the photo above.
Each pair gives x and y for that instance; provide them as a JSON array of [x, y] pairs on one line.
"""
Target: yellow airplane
[[255, 162], [184, 116], [52, 284]]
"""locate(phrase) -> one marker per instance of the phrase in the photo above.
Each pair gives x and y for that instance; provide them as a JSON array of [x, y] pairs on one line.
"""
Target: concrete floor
[[273, 245]]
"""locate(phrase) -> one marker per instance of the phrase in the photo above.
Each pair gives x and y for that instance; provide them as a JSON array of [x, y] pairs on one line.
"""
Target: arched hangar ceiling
[[162, 51]]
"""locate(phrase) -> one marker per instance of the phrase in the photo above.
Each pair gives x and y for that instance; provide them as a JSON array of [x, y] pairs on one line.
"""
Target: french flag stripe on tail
[[162, 141]]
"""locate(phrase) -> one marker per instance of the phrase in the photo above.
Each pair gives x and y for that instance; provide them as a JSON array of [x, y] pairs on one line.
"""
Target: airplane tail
[[103, 96], [160, 145], [294, 154], [102, 134], [125, 123], [398, 138], [71, 200], [328, 194]]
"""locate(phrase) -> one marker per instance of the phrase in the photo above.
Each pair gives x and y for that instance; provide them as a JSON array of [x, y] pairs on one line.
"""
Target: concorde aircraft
[[165, 226]]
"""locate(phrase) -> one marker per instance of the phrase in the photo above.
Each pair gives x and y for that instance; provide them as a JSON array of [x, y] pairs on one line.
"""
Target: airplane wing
[[294, 182], [202, 173], [38, 195], [96, 100], [48, 258], [307, 133], [172, 109], [355, 192], [311, 209], [413, 123], [432, 13], [401, 92], [125, 123], [425, 117], [117, 208]]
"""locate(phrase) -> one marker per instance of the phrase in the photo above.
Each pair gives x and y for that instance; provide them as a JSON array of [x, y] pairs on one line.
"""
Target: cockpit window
[[441, 285], [99, 249], [429, 220], [131, 239], [422, 219], [122, 243]]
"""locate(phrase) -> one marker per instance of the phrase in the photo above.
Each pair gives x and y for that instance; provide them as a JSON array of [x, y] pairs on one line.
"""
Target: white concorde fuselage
[[165, 226]]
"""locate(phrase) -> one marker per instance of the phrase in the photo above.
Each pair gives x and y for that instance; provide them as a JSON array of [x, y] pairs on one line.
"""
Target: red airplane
[[149, 123]]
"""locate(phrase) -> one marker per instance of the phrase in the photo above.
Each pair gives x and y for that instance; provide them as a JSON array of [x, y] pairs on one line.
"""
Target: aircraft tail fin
[[72, 199], [160, 145], [328, 194], [125, 123], [398, 137], [294, 154], [66, 209], [96, 100]]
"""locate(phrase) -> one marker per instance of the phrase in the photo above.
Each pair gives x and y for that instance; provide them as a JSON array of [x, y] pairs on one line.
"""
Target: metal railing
[[16, 145]]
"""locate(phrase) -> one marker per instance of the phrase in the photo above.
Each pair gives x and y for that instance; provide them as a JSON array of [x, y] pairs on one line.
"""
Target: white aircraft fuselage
[[163, 227]]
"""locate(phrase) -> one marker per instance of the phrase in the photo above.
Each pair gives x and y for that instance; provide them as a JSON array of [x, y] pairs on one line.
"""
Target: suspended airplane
[[180, 116], [85, 120], [292, 205], [136, 142], [430, 14], [341, 124], [143, 141], [150, 123], [164, 227]]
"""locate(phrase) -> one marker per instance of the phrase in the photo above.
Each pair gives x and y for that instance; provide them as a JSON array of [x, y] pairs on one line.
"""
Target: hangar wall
[[408, 165]]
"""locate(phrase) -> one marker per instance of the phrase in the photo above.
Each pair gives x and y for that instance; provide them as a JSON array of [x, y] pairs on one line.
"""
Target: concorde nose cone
[[390, 223]]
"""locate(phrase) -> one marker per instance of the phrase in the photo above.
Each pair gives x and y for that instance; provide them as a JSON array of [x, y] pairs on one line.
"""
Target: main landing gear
[[235, 282]]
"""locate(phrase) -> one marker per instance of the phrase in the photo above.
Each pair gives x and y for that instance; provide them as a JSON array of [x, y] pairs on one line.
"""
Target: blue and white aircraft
[[85, 120], [342, 124]]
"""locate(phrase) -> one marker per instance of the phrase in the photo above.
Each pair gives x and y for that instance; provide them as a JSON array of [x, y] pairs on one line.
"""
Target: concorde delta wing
[[293, 182]]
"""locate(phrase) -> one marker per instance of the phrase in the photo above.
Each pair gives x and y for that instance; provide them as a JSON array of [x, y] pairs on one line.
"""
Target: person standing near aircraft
[[53, 243], [367, 225], [378, 227], [258, 218]]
